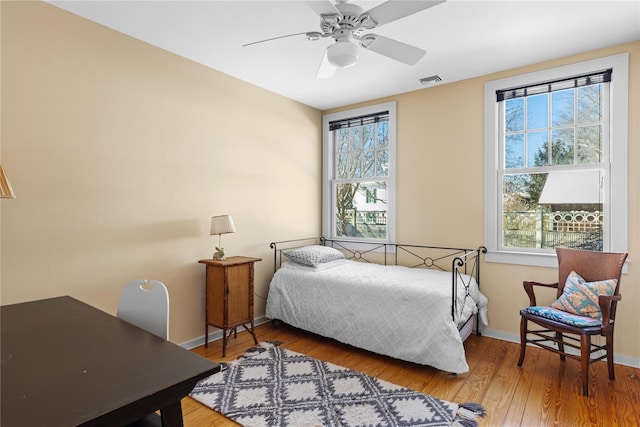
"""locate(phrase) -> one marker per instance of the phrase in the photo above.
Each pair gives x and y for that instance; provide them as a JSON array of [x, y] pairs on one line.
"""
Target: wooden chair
[[592, 267]]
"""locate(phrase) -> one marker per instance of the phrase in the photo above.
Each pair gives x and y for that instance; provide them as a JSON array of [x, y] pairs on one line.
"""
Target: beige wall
[[120, 153], [441, 190]]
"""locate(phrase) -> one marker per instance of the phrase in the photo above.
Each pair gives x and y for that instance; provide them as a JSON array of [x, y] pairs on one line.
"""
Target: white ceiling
[[463, 39]]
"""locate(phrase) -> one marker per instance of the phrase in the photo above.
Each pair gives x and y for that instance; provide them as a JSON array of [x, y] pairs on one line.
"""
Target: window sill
[[528, 258], [522, 258]]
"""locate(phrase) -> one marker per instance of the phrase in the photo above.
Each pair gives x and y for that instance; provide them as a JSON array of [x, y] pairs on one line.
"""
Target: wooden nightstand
[[229, 297]]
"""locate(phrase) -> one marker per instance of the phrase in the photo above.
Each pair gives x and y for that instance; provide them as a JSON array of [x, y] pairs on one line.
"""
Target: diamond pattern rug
[[273, 386]]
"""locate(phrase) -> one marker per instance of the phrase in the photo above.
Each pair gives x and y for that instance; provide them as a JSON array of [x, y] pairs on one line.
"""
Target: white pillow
[[313, 255]]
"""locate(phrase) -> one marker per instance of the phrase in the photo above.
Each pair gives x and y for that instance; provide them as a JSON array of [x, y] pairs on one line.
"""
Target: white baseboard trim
[[217, 335], [619, 359]]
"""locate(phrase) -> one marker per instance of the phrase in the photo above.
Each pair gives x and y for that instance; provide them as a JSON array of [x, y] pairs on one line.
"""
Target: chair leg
[[585, 356], [560, 342], [523, 339], [609, 348]]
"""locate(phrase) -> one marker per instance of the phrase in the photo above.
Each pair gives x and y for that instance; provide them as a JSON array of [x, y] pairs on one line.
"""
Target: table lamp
[[6, 192], [221, 224]]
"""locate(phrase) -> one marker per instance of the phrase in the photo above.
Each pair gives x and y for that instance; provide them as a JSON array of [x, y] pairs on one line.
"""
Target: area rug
[[273, 386]]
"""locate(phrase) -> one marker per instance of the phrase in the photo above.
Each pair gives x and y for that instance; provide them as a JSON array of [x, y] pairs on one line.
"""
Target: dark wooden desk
[[65, 363]]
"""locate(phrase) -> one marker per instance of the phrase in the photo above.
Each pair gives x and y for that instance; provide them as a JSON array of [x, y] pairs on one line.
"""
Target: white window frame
[[616, 203], [328, 201]]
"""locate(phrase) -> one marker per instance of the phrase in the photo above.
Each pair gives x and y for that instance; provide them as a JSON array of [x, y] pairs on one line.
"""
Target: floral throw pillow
[[581, 297]]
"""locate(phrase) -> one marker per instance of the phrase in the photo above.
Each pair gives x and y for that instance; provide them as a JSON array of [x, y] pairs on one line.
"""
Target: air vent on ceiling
[[430, 81]]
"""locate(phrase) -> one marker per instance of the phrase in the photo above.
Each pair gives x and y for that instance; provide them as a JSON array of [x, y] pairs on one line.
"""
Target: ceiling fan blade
[[393, 49], [280, 37], [323, 7], [326, 69], [390, 11]]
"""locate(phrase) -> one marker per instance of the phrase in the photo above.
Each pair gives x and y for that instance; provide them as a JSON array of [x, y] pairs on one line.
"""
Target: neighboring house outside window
[[359, 174], [556, 161]]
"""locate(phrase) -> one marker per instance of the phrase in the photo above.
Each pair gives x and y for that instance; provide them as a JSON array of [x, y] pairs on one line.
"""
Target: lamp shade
[[6, 192], [222, 224], [342, 53]]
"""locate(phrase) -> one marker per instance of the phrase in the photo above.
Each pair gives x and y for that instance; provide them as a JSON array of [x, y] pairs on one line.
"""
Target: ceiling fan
[[346, 23]]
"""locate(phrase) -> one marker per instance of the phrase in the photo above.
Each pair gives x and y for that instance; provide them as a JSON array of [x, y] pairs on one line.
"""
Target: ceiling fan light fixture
[[342, 53]]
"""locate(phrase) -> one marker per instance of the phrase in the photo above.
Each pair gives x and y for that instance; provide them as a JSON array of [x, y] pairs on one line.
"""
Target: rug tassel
[[476, 408], [467, 415]]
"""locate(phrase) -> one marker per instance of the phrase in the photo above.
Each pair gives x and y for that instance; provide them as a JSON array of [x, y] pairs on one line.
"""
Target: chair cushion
[[581, 297], [563, 317]]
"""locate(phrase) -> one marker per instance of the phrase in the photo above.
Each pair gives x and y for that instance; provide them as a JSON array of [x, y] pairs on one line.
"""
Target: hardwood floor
[[544, 392]]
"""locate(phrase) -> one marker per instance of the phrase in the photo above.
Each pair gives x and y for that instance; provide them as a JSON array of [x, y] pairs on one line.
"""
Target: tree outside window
[[362, 166], [359, 163], [552, 134]]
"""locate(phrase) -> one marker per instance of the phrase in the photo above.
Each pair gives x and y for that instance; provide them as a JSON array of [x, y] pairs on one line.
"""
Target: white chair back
[[145, 304]]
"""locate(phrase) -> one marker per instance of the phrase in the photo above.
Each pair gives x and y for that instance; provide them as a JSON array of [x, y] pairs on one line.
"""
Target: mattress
[[396, 311]]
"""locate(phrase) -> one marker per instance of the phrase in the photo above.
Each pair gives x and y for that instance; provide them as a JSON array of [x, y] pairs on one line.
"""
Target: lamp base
[[218, 255]]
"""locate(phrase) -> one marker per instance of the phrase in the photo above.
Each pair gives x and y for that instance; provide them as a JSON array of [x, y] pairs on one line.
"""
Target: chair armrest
[[528, 287], [606, 303]]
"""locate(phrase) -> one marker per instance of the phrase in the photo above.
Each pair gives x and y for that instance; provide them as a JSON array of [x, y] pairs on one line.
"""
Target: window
[[556, 161], [359, 174]]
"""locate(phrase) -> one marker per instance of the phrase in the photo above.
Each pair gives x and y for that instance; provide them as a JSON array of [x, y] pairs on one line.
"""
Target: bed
[[391, 299]]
